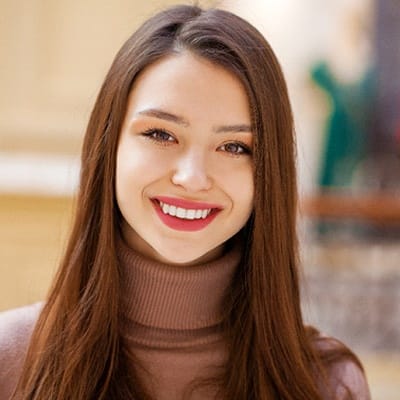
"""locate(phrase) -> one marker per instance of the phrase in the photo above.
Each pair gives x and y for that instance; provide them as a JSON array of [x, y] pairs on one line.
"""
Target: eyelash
[[154, 135], [149, 133]]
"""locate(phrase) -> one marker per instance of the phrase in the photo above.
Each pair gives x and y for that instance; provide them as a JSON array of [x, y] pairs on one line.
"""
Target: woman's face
[[184, 177]]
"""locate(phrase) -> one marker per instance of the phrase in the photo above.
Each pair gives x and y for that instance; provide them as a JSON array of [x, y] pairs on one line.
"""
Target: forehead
[[191, 86]]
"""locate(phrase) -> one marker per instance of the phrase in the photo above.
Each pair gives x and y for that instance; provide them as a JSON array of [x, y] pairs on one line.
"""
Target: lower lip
[[184, 224]]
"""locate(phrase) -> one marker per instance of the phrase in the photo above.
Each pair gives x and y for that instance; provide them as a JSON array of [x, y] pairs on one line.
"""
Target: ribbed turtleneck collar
[[162, 296]]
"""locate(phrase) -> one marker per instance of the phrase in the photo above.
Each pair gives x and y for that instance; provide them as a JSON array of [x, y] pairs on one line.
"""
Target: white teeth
[[172, 210], [184, 213], [190, 214], [180, 212]]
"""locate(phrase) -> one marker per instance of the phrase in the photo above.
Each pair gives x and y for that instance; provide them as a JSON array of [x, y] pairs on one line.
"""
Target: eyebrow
[[167, 116]]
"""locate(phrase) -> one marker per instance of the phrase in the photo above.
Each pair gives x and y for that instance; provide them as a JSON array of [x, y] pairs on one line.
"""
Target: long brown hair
[[77, 350]]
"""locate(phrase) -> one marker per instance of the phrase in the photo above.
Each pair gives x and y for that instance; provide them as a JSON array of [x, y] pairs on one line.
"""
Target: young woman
[[180, 278]]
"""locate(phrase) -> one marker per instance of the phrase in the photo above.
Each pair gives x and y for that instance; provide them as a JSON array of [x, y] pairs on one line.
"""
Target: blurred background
[[341, 59]]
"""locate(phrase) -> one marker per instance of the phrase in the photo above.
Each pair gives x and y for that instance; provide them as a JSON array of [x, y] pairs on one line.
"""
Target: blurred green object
[[347, 127]]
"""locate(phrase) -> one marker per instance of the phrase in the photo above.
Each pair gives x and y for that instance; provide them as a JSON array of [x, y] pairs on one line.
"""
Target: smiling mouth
[[184, 219], [184, 213]]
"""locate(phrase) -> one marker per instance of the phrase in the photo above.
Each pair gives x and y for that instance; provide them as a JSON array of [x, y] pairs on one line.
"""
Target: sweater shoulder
[[345, 371], [349, 378], [16, 327]]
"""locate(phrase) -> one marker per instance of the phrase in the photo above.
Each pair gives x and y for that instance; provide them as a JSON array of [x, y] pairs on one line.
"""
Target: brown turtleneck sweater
[[171, 320]]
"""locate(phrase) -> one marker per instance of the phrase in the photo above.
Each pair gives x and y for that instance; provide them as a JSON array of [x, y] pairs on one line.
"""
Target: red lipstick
[[181, 224]]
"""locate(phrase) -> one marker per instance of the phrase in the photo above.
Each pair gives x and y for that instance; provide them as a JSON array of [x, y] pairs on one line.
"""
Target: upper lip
[[188, 204]]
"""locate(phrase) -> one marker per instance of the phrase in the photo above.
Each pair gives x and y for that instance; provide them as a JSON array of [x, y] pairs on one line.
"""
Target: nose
[[191, 173]]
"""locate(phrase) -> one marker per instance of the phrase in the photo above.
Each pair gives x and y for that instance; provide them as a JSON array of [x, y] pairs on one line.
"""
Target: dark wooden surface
[[373, 208]]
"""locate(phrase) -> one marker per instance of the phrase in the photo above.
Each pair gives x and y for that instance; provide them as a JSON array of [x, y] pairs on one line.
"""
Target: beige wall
[[33, 234]]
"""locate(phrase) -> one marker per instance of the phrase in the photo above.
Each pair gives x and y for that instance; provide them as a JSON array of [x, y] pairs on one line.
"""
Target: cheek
[[238, 184], [137, 167], [246, 195]]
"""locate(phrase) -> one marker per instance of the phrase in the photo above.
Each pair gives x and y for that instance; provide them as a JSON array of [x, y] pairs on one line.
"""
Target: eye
[[235, 148], [159, 135]]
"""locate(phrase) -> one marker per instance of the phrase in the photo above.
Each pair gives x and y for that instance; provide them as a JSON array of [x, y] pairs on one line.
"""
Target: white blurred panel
[[38, 174]]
